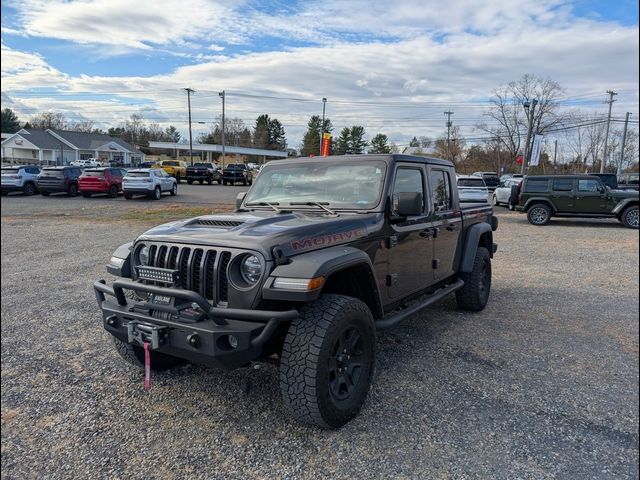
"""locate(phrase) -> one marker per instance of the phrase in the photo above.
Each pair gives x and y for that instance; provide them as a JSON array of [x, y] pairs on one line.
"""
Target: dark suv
[[58, 180], [237, 172], [491, 179], [543, 197], [628, 181]]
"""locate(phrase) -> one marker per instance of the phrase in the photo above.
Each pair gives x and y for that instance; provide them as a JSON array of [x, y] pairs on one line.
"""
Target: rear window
[[537, 185], [93, 173], [563, 185], [138, 174], [52, 173], [206, 165], [490, 178], [170, 163], [471, 182], [237, 166], [10, 171]]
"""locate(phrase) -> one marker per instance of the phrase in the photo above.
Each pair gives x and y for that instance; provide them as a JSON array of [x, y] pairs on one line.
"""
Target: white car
[[21, 178], [152, 182], [502, 194], [472, 189], [88, 163]]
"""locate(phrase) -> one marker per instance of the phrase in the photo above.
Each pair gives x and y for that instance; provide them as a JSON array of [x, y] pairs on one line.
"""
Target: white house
[[59, 147]]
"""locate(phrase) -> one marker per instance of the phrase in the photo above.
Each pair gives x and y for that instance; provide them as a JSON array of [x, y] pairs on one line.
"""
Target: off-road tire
[[477, 283], [113, 191], [135, 356], [29, 189], [629, 217], [310, 361], [539, 214]]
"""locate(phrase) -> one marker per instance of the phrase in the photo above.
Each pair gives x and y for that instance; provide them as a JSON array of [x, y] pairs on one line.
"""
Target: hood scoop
[[213, 222]]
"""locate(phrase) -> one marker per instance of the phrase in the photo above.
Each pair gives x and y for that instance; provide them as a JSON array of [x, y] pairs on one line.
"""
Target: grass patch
[[173, 212]]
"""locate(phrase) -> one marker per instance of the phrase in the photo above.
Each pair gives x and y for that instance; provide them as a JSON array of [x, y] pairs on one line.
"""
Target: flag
[[535, 150]]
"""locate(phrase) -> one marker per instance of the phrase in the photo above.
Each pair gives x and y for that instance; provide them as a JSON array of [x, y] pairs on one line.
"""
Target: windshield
[[236, 166], [471, 182], [205, 165], [340, 185], [137, 174]]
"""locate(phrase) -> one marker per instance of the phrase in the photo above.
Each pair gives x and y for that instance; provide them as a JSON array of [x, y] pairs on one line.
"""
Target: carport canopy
[[212, 147]]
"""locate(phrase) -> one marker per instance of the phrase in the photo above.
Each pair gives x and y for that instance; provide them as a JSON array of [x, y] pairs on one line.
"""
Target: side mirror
[[240, 198], [602, 189], [408, 204]]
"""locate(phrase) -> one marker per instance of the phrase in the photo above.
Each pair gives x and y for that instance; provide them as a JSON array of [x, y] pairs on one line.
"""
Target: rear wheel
[[29, 189], [539, 214], [113, 191], [73, 190], [327, 361], [474, 295], [630, 217]]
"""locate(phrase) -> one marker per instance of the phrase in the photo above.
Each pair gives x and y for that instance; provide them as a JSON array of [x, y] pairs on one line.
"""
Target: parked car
[[152, 182], [305, 274], [472, 189], [503, 195], [203, 172], [148, 165], [22, 178], [88, 163], [237, 172], [176, 168], [491, 179], [506, 176], [609, 179], [101, 180], [628, 181], [59, 179], [543, 197]]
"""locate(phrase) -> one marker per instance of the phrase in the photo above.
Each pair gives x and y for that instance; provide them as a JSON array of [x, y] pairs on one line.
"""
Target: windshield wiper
[[264, 204], [317, 204]]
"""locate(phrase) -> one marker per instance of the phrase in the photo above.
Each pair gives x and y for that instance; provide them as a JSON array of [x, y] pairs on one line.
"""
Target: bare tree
[[86, 126], [45, 120], [455, 150]]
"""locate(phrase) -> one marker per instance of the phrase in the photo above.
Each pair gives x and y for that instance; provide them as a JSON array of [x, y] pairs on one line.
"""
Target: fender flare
[[623, 204], [471, 244], [323, 263], [533, 200]]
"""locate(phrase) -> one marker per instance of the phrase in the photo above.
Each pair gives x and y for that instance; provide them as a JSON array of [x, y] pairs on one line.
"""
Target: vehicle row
[[205, 172]]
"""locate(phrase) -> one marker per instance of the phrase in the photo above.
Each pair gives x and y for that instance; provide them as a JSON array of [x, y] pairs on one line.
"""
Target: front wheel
[[630, 217], [113, 191], [495, 200], [539, 214], [157, 193], [174, 190], [327, 361], [474, 295], [29, 189]]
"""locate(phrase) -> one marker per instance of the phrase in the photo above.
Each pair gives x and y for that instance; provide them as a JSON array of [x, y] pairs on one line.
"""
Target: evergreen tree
[[379, 144], [414, 142], [261, 132], [357, 143], [311, 139], [277, 140], [10, 122], [342, 143]]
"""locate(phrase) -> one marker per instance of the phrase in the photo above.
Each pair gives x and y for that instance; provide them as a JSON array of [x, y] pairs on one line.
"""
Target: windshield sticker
[[327, 240]]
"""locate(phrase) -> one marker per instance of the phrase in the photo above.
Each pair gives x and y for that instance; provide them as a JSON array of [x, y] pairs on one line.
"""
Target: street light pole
[[324, 104], [189, 92], [624, 140], [530, 109], [606, 135], [223, 96]]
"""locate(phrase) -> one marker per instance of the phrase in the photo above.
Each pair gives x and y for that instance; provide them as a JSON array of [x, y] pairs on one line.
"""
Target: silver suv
[[20, 178], [152, 182]]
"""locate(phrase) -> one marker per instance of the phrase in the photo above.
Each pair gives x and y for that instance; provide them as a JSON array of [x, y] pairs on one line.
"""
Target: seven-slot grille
[[202, 270]]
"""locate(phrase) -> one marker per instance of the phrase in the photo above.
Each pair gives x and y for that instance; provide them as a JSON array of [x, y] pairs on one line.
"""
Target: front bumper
[[11, 187], [189, 327]]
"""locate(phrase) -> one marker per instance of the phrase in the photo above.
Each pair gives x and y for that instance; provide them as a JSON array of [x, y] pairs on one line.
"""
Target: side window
[[409, 180], [537, 185], [440, 190], [588, 185], [563, 185]]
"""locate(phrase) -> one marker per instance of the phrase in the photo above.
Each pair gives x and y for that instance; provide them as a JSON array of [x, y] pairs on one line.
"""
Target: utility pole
[[324, 105], [448, 113], [222, 95], [530, 108], [189, 92], [555, 157], [606, 135], [624, 140]]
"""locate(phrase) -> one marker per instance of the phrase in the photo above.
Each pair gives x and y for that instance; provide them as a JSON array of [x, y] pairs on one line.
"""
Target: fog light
[[233, 342]]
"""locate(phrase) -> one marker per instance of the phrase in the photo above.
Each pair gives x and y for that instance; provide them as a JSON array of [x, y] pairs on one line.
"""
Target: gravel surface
[[542, 384]]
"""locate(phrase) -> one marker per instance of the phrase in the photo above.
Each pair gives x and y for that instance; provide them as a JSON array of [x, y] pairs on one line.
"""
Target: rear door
[[411, 247], [562, 194], [445, 221], [588, 198]]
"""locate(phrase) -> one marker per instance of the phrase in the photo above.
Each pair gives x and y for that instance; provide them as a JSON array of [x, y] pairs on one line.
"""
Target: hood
[[293, 233], [622, 194]]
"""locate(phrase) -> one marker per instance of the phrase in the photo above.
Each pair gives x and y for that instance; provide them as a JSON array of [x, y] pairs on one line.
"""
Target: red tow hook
[[147, 367]]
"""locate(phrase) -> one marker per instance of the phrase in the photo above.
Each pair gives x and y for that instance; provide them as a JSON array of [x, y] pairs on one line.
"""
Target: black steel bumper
[[190, 327]]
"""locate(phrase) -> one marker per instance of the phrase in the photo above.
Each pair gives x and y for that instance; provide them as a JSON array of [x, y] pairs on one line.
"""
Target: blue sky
[[135, 57]]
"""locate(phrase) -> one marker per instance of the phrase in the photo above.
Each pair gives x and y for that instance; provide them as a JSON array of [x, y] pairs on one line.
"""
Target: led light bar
[[155, 274]]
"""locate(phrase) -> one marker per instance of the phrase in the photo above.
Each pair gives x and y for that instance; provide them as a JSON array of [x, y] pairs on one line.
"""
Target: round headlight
[[251, 269], [143, 256]]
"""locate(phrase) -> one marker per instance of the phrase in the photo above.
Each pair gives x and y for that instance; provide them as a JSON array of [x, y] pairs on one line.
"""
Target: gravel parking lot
[[542, 384]]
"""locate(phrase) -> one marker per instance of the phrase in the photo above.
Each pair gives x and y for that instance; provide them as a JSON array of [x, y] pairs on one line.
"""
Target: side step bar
[[429, 300]]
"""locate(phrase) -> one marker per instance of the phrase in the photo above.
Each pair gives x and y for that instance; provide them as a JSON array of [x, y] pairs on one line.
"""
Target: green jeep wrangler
[[546, 196]]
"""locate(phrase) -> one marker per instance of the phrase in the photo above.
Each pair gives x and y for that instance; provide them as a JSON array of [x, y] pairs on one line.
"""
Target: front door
[[446, 222], [410, 242], [562, 194], [588, 198]]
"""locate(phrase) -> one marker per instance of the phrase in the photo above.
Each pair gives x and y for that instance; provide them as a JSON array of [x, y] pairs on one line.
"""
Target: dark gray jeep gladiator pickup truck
[[320, 255]]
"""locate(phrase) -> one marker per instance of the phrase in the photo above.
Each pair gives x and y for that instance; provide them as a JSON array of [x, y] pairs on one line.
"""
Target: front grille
[[201, 269]]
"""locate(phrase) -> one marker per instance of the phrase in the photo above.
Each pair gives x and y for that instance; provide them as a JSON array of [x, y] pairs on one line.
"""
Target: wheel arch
[[623, 204], [535, 200], [478, 235]]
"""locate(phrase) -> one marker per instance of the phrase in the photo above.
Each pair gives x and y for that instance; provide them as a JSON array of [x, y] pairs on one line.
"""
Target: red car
[[101, 180]]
